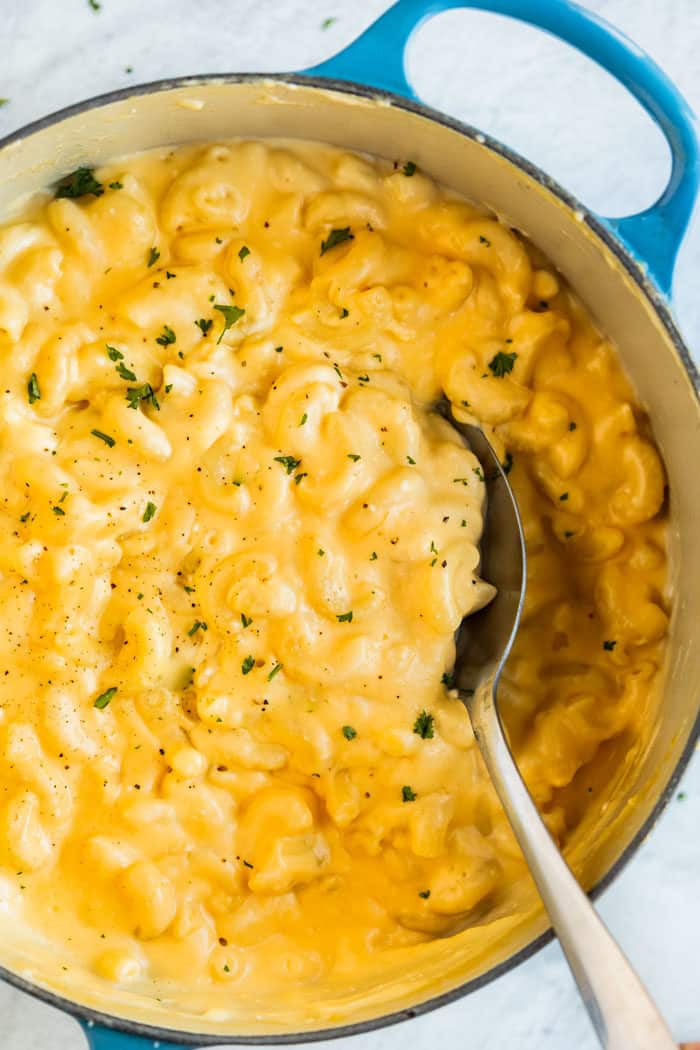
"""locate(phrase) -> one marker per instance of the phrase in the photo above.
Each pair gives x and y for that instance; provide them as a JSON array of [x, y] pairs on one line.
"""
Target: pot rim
[[91, 1017]]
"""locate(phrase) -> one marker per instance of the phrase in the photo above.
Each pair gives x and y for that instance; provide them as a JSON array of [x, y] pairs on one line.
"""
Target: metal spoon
[[623, 1015]]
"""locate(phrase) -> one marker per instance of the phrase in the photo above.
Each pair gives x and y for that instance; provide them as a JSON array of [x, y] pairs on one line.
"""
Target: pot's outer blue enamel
[[646, 244]]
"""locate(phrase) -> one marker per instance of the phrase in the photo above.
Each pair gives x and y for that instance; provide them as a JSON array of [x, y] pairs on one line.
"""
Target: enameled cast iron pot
[[622, 269]]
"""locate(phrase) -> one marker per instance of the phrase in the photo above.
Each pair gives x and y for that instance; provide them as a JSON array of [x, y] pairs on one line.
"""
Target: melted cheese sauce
[[236, 542]]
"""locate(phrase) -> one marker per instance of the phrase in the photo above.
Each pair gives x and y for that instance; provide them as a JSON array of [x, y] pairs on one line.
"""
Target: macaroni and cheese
[[237, 540]]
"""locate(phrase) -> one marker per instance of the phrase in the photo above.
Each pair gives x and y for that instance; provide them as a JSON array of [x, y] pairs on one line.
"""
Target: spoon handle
[[623, 1014]]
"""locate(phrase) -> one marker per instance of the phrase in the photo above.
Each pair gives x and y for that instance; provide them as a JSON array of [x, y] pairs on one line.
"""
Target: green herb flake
[[149, 512], [231, 315], [303, 419], [288, 462], [344, 313], [681, 796], [108, 440], [279, 349], [95, 5], [484, 240], [408, 794], [104, 698], [409, 169], [275, 670], [349, 733], [479, 473], [246, 620], [298, 477], [125, 373], [424, 894], [410, 460], [354, 456], [4, 102], [572, 425], [33, 391], [247, 665], [244, 252], [336, 237], [59, 512], [189, 590], [564, 497], [168, 387], [328, 22], [502, 363], [447, 679], [79, 183], [424, 726], [507, 464], [136, 394], [204, 325], [609, 645], [153, 257], [373, 556], [25, 516], [113, 354], [198, 625], [116, 185], [166, 337], [344, 617]]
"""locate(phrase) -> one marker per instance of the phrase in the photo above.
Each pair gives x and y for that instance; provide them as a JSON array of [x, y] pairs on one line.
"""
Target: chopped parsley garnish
[[501, 364], [424, 726], [188, 590], [78, 184], [33, 391], [320, 552], [166, 337], [568, 534], [447, 679], [408, 794], [479, 473], [336, 237], [484, 240], [4, 102], [279, 349], [204, 325], [168, 387], [328, 22], [564, 497], [609, 645], [149, 511], [409, 169], [136, 394], [246, 620], [344, 617], [349, 733], [303, 419], [59, 512], [104, 437], [363, 379], [153, 257], [411, 460], [104, 698], [298, 477], [25, 516], [125, 372], [288, 462], [231, 315], [245, 251], [354, 456], [572, 425], [507, 464], [248, 665], [116, 185], [373, 556], [198, 625], [424, 894], [344, 313], [113, 354], [95, 5], [275, 670]]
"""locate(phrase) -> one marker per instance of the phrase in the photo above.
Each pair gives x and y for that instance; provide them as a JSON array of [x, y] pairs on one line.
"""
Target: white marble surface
[[556, 109]]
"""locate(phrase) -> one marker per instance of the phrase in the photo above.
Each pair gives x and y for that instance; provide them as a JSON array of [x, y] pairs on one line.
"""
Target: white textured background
[[556, 108]]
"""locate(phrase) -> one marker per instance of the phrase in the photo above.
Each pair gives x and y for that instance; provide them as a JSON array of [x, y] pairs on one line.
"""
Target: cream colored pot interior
[[261, 107]]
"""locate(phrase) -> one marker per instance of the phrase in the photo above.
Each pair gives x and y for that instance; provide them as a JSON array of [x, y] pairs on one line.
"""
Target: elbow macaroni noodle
[[237, 542]]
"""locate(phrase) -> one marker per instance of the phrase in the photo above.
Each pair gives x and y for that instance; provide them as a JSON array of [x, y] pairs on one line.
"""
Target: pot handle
[[378, 58], [100, 1038]]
